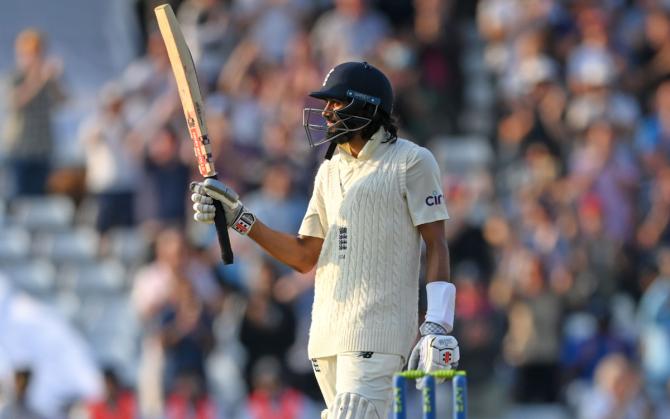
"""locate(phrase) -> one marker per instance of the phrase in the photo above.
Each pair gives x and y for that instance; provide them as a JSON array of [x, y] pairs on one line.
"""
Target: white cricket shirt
[[367, 210]]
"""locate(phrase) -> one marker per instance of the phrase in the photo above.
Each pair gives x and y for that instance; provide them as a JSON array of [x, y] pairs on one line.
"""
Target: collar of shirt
[[368, 150]]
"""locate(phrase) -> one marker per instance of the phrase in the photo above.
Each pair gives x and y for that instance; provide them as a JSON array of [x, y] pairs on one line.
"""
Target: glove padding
[[435, 351], [203, 197]]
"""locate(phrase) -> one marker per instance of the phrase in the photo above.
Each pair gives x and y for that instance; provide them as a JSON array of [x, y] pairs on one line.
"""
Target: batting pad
[[352, 406]]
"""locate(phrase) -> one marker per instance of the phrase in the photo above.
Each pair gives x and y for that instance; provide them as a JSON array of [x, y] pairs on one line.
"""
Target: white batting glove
[[204, 193], [435, 351]]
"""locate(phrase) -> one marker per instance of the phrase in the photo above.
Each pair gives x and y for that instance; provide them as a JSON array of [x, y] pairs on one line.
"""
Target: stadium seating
[[105, 277], [36, 277], [77, 245], [50, 212], [129, 246], [14, 245]]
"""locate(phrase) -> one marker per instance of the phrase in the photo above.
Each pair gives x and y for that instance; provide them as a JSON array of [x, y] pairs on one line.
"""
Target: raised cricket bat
[[191, 101]]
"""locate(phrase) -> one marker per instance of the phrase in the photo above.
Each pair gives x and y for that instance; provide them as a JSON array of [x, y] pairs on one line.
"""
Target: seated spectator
[[118, 403], [652, 139], [616, 392], [187, 335], [271, 398], [583, 355], [654, 322], [189, 399], [19, 407]]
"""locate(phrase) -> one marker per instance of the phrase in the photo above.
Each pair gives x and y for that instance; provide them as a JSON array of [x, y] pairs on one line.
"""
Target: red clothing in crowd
[[288, 405], [124, 408], [179, 407]]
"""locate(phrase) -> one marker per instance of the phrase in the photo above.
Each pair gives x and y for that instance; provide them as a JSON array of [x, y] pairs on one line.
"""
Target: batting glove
[[435, 351], [204, 194]]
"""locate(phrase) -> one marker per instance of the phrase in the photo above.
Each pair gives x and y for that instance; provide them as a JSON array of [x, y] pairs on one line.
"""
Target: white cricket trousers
[[369, 374]]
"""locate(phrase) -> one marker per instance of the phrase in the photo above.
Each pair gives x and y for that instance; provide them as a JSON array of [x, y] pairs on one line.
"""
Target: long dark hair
[[381, 119]]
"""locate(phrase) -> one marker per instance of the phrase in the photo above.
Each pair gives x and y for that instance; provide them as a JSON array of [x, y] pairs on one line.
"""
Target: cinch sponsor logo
[[434, 199]]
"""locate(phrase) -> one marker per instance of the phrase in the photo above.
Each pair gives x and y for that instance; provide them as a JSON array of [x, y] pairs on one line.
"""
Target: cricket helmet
[[364, 90]]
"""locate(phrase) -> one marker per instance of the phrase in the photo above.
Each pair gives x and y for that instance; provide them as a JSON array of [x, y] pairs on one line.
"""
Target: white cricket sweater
[[366, 287]]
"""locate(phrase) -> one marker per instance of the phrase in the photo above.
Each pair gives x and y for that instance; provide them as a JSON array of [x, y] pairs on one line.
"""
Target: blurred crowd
[[550, 120]]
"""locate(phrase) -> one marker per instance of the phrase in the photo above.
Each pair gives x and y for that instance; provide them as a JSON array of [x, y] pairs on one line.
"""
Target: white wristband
[[441, 298]]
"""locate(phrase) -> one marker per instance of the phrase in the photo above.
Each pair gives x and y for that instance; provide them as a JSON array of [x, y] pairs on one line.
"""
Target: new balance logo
[[366, 355]]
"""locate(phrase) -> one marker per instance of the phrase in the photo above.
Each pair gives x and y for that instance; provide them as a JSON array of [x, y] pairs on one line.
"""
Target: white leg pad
[[352, 406], [324, 414]]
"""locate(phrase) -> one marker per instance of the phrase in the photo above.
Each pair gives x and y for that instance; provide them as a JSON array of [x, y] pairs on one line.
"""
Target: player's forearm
[[299, 253], [440, 293], [437, 252], [437, 261]]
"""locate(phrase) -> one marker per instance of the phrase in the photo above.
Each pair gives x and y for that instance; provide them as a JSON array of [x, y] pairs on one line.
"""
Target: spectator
[[585, 354], [359, 27], [19, 407], [654, 321], [532, 341], [651, 55], [272, 25], [653, 134], [187, 336], [271, 398], [438, 50], [653, 230], [268, 326], [211, 30], [604, 165], [165, 182], [189, 400], [592, 73], [240, 81], [616, 392], [35, 92], [481, 332], [154, 296], [276, 195], [118, 402], [112, 160], [149, 89]]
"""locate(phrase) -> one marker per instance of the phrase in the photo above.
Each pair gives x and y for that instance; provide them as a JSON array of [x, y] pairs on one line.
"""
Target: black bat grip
[[222, 233]]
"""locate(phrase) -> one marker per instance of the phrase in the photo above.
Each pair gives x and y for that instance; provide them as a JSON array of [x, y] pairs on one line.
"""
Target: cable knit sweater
[[366, 290]]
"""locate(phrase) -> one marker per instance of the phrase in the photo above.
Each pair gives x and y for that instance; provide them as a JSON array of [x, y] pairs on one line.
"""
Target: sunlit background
[[550, 120]]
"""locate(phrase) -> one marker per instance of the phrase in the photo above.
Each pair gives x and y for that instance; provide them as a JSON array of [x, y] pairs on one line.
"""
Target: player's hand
[[204, 194], [435, 351]]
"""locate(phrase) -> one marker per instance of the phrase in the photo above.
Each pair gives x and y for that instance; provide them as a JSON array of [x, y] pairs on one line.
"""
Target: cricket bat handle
[[221, 225]]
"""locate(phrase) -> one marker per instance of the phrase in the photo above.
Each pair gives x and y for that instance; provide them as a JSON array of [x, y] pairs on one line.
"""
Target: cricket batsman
[[373, 203]]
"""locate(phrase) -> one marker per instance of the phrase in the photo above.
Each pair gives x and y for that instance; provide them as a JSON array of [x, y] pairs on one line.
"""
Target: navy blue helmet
[[362, 88]]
